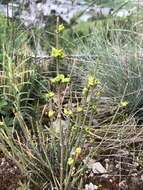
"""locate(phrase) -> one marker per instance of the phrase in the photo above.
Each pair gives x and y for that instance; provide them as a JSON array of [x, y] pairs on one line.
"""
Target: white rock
[[91, 186], [97, 168]]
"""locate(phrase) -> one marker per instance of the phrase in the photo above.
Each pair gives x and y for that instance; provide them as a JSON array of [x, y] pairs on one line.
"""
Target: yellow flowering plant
[[61, 28], [92, 81], [124, 104], [65, 125], [70, 161], [49, 95], [51, 113], [65, 80], [57, 53], [68, 111], [79, 109], [60, 79], [78, 151], [85, 91]]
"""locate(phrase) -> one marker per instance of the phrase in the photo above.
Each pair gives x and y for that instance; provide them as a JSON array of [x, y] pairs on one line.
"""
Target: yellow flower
[[61, 28], [78, 151], [79, 109], [51, 113], [57, 53], [85, 91], [49, 95], [60, 78], [124, 104], [70, 161], [90, 81], [68, 111], [66, 80]]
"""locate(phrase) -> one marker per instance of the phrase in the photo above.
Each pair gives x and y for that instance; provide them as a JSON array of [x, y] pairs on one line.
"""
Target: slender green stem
[[57, 44], [59, 113]]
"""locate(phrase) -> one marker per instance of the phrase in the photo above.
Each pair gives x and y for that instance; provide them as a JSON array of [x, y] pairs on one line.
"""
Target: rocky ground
[[118, 171], [10, 174]]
